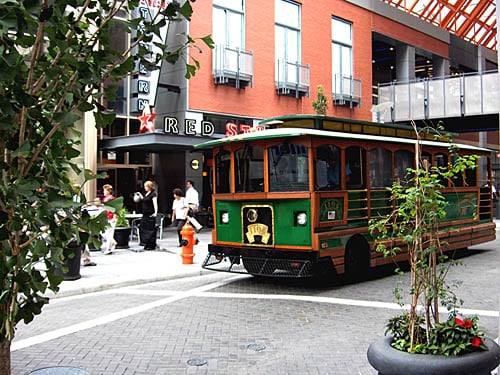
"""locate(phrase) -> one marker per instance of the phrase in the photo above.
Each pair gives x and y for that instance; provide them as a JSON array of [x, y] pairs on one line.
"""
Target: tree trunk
[[5, 358]]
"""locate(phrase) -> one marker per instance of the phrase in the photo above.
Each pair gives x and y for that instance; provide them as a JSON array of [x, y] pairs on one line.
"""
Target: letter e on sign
[[190, 127]]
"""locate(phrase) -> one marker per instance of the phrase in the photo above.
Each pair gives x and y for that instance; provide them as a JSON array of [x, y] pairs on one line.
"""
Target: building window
[[232, 65], [287, 30], [119, 36], [228, 23], [291, 77], [341, 47], [345, 88]]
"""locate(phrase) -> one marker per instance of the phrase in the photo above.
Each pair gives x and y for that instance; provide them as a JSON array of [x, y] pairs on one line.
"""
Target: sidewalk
[[135, 266]]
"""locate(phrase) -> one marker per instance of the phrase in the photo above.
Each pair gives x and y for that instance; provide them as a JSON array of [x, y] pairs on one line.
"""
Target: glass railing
[[292, 78], [449, 96], [232, 64], [346, 90]]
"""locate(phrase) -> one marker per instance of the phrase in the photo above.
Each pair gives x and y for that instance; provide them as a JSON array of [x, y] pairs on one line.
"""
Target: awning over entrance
[[152, 142]]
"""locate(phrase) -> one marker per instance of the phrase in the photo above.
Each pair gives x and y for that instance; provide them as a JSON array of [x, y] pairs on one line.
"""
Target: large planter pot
[[121, 236], [73, 263], [389, 361]]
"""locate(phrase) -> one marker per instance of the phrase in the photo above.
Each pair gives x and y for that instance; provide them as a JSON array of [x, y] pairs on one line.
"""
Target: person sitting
[[333, 174]]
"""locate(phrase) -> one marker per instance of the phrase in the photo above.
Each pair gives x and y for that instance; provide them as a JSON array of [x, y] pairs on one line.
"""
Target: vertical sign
[[144, 85]]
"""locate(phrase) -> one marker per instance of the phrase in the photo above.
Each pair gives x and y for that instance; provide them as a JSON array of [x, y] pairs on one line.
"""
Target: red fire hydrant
[[188, 241]]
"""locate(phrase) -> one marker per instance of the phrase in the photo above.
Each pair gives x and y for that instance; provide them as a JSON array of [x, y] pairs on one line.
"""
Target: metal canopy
[[151, 142], [472, 20]]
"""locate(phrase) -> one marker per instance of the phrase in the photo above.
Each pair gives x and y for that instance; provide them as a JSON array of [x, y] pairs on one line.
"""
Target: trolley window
[[403, 160], [380, 168], [288, 168], [441, 162], [249, 169], [468, 178], [223, 172], [327, 165], [356, 161]]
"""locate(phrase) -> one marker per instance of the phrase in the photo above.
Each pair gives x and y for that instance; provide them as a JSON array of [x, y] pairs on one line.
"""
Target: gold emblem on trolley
[[257, 224], [258, 230], [252, 215]]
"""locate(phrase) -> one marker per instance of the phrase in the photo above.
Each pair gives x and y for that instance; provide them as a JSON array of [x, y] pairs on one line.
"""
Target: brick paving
[[302, 329]]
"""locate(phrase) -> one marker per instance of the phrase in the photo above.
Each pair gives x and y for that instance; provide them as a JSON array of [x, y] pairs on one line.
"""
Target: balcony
[[232, 66], [346, 90], [440, 97], [292, 79]]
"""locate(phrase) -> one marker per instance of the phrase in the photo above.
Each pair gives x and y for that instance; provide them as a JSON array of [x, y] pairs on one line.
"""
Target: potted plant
[[122, 228], [419, 341], [320, 105]]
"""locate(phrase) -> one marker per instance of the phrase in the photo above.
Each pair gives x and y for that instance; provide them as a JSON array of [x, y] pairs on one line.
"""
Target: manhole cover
[[196, 362], [256, 347], [59, 370]]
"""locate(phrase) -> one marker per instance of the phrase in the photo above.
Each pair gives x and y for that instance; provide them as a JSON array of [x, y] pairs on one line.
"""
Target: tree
[[320, 105], [414, 226], [56, 57]]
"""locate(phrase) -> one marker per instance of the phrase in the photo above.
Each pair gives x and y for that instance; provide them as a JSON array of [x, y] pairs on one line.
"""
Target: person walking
[[193, 202], [179, 212], [192, 196], [147, 228], [110, 231]]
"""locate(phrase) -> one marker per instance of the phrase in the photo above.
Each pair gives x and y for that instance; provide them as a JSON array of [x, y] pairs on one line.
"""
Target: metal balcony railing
[[292, 79], [346, 90], [232, 66], [440, 97]]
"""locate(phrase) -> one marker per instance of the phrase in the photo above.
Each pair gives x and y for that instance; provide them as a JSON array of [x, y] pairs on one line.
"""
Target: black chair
[[159, 224]]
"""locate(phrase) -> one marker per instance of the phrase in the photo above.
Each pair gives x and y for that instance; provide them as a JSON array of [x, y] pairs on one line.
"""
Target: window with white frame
[[229, 38], [228, 23], [341, 55], [287, 41]]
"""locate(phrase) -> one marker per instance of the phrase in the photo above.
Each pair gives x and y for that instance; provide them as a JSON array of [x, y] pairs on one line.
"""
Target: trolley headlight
[[301, 218], [224, 217]]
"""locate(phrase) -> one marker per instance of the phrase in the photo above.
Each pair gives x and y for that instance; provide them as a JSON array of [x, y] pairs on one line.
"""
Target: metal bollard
[[188, 241]]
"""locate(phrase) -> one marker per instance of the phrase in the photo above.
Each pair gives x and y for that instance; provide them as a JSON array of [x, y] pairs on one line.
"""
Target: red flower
[[476, 342], [468, 323], [459, 322]]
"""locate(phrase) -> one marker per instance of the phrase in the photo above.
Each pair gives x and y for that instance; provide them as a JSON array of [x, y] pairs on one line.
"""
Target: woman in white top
[[179, 211]]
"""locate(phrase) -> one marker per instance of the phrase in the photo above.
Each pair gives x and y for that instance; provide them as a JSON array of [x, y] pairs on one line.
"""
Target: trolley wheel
[[357, 258]]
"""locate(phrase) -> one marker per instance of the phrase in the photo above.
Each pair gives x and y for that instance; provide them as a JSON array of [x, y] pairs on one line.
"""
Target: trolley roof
[[299, 132]]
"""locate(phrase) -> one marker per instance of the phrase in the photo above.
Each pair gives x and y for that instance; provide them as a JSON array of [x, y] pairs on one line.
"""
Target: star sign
[[147, 120]]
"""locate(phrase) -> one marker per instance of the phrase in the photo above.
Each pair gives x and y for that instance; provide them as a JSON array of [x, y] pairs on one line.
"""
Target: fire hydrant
[[188, 241]]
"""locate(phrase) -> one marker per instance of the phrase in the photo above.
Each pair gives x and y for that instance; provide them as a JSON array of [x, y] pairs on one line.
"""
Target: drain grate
[[196, 362], [256, 347]]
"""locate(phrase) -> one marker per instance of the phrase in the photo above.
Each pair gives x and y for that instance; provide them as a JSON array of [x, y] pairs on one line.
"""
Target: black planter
[[72, 264], [389, 361], [122, 236]]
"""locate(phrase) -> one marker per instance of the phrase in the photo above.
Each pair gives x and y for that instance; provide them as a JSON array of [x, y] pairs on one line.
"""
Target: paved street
[[231, 324]]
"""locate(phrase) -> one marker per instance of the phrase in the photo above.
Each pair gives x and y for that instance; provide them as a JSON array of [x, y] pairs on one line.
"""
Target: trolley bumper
[[260, 262]]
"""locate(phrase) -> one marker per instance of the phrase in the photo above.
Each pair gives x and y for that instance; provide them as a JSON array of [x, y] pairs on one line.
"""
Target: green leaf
[[85, 107], [114, 204], [66, 118], [103, 119]]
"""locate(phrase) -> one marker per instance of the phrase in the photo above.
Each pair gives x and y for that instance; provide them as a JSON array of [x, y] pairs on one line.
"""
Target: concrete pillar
[[405, 62], [90, 151], [440, 66]]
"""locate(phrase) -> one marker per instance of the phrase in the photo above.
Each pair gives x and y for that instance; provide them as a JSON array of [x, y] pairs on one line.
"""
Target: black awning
[[465, 124], [151, 142]]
